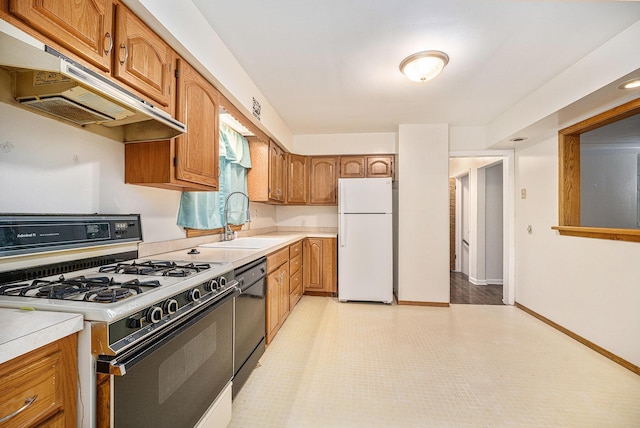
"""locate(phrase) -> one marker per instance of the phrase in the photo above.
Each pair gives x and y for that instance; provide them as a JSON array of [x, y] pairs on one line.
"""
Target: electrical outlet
[[523, 193], [529, 229]]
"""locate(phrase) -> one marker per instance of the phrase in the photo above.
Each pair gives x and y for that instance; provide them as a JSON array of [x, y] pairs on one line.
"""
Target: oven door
[[172, 380]]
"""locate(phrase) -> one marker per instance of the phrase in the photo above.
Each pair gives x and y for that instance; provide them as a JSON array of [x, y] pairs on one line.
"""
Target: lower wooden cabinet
[[284, 285], [319, 266], [46, 377]]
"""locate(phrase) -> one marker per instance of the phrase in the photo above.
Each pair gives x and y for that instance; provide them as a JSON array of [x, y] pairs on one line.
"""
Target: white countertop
[[239, 257], [23, 331]]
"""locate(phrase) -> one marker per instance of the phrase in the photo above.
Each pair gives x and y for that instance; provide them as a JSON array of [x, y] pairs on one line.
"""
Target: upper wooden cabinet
[[353, 167], [267, 178], [380, 166], [190, 161], [366, 166], [297, 179], [277, 173], [143, 60], [323, 177], [84, 27], [198, 107]]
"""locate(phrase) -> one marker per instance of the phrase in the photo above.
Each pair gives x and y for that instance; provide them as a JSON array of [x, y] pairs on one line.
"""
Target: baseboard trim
[[613, 357], [412, 303], [495, 282], [476, 281]]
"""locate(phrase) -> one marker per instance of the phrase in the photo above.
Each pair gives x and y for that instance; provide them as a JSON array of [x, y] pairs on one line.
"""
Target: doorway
[[480, 230]]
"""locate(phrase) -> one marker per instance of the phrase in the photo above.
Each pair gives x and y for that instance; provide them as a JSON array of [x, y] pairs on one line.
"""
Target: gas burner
[[110, 295], [156, 268]]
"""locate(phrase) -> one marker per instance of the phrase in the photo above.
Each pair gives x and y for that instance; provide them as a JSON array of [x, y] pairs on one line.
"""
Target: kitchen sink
[[245, 243]]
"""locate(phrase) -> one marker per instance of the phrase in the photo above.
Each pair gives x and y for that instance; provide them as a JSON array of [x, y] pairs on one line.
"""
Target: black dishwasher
[[249, 320]]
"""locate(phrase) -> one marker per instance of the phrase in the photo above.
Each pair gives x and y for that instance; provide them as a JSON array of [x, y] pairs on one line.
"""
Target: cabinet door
[[84, 27], [273, 304], [284, 292], [312, 265], [352, 167], [324, 181], [143, 60], [197, 150], [297, 179], [277, 173], [329, 264], [380, 166]]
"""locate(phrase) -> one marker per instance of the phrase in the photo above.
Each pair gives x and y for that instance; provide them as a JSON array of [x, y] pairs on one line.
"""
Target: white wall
[[586, 285], [345, 144], [423, 213], [50, 167]]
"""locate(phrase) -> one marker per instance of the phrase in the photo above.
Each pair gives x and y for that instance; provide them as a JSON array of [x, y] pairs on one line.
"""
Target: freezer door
[[365, 258], [364, 195]]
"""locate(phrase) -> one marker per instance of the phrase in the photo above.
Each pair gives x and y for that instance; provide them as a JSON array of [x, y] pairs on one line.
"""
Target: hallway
[[462, 291]]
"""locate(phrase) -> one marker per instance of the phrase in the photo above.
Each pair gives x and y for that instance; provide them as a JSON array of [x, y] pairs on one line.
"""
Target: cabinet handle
[[126, 53], [108, 50], [28, 402]]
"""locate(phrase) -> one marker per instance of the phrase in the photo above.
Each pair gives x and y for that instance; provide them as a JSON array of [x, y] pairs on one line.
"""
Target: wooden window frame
[[569, 176]]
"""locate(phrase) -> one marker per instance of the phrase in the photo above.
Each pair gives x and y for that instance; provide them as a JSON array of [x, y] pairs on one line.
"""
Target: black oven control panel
[[33, 233]]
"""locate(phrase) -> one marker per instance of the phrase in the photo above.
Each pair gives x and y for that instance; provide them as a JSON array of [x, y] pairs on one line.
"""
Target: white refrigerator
[[365, 240]]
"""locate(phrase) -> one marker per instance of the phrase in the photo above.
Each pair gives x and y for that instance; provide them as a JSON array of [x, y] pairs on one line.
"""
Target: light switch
[[523, 193]]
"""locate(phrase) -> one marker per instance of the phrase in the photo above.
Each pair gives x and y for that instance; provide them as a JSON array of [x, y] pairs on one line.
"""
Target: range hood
[[50, 82]]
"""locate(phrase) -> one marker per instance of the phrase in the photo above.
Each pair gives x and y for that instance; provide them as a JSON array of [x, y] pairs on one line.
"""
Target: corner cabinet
[[323, 176], [190, 161], [297, 179], [319, 266], [267, 178], [43, 384]]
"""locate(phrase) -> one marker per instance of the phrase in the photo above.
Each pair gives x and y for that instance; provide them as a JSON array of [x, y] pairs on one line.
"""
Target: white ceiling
[[331, 66]]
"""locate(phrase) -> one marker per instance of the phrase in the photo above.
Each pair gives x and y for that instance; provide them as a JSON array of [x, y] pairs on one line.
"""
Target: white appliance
[[365, 240]]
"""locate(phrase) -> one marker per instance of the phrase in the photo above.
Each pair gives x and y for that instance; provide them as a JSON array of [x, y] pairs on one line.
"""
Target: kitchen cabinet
[[266, 180], [120, 45], [189, 162], [353, 167], [380, 166], [323, 177], [297, 179], [319, 266], [367, 166], [143, 60], [84, 27], [49, 374], [277, 291]]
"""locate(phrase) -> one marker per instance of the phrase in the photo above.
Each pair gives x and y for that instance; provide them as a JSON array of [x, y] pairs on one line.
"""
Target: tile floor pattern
[[371, 365]]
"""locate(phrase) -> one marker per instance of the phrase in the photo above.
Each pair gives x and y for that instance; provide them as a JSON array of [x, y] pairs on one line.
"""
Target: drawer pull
[[28, 402]]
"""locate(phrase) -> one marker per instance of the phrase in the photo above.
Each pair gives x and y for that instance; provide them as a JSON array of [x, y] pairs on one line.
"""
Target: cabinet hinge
[[175, 161], [177, 73]]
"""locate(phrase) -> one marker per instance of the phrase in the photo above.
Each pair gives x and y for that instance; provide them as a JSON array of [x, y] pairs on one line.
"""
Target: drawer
[[274, 260], [37, 375], [295, 264], [295, 281], [295, 249], [294, 297]]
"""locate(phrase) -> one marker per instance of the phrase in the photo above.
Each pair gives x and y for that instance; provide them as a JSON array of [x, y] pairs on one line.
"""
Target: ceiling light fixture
[[630, 84], [423, 66]]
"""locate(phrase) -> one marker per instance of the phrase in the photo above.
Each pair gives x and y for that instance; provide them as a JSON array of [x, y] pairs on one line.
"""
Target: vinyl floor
[[371, 365], [463, 291]]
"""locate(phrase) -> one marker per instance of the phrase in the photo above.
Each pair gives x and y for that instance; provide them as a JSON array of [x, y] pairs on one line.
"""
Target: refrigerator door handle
[[341, 214]]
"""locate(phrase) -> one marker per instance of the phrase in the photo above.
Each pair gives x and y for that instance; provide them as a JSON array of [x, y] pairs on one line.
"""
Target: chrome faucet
[[228, 233]]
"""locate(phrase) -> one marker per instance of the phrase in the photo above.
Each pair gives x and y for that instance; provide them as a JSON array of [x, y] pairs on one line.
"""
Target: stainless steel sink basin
[[245, 243]]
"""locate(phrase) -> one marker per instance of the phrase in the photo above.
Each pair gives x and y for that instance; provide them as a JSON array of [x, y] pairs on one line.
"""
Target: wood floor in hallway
[[463, 291]]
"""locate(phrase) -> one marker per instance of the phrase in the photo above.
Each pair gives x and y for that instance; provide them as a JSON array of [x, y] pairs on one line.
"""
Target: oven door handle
[[119, 364]]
